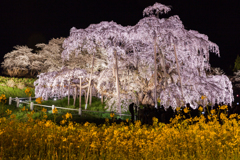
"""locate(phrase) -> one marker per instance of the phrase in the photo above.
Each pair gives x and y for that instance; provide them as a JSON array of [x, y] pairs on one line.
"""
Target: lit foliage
[[51, 54], [134, 46], [39, 100], [28, 92], [237, 64], [22, 61], [3, 99]]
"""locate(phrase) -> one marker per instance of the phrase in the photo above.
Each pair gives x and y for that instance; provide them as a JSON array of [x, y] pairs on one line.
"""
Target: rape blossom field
[[192, 138]]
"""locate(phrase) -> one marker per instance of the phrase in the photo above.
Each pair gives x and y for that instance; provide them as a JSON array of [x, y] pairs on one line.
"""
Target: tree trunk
[[155, 75], [68, 91], [89, 82], [85, 94], [75, 95], [178, 70], [101, 98], [80, 92], [90, 103], [117, 85]]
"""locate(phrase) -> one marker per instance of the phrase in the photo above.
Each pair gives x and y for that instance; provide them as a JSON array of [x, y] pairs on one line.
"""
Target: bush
[[21, 85], [2, 84], [11, 83]]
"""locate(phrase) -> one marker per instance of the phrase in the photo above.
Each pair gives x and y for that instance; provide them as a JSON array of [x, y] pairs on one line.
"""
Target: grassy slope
[[91, 117]]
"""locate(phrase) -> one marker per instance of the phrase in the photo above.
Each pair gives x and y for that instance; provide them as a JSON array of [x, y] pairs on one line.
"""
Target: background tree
[[51, 55], [21, 62]]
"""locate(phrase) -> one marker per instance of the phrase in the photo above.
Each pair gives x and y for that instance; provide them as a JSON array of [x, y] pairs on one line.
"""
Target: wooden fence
[[19, 100]]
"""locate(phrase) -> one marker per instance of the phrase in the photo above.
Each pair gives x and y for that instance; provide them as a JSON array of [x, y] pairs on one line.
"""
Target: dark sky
[[28, 22]]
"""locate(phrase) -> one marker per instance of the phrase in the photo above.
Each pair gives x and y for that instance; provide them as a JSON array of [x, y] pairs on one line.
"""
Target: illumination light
[[237, 103]]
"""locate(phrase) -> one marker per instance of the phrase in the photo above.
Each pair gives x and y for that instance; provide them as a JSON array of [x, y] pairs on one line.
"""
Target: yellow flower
[[203, 97], [55, 111], [223, 107], [64, 139], [185, 110], [63, 122], [238, 116], [159, 100], [178, 109], [28, 92], [86, 124], [127, 120], [9, 112], [68, 115], [38, 100], [44, 110], [29, 115], [106, 119], [232, 116], [2, 98], [213, 111], [48, 123], [200, 108], [223, 116], [112, 115], [155, 119], [93, 145], [13, 116], [45, 116], [23, 109]]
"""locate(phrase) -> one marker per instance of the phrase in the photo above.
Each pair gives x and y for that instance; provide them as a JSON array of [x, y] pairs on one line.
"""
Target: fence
[[18, 101]]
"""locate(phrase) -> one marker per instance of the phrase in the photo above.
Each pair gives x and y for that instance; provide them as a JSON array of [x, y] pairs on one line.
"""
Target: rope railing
[[17, 100]]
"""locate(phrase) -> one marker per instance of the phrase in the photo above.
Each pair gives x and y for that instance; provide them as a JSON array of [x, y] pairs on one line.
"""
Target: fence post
[[52, 108], [10, 100], [30, 99], [80, 111], [31, 106], [17, 102]]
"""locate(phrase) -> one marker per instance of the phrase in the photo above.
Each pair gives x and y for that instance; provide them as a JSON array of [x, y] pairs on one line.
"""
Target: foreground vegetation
[[39, 135], [187, 139]]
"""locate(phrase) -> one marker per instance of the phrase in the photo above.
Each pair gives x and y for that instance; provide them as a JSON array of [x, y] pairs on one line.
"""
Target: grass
[[91, 117]]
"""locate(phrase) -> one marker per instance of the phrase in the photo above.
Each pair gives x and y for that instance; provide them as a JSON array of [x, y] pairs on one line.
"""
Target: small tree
[[21, 62], [237, 64], [51, 55]]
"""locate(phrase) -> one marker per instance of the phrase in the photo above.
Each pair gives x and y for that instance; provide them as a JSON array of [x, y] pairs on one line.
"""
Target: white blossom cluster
[[134, 46], [157, 7], [55, 84]]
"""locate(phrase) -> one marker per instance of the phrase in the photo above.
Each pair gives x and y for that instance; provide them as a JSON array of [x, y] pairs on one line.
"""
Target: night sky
[[28, 22]]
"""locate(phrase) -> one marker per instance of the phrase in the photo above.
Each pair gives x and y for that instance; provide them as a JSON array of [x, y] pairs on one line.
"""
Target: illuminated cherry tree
[[123, 58]]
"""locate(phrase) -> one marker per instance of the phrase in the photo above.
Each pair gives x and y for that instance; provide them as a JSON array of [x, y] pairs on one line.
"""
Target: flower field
[[181, 139]]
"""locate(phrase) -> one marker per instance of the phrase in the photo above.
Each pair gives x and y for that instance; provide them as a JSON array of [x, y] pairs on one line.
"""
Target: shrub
[[2, 84], [21, 85], [11, 83]]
